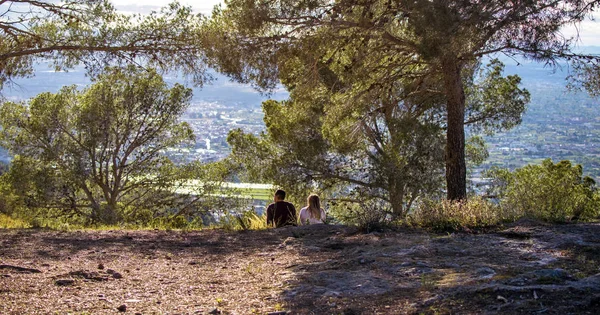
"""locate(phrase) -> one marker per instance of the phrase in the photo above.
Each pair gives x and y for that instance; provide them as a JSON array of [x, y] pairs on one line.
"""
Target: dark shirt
[[281, 213]]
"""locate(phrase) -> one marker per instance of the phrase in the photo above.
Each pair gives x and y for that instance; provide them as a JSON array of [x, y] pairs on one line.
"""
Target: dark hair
[[280, 193]]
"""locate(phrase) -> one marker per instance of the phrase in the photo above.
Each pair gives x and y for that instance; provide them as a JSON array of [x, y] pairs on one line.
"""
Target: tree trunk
[[456, 169]]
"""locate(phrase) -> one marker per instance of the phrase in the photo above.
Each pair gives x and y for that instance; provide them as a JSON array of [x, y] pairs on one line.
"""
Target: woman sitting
[[312, 213]]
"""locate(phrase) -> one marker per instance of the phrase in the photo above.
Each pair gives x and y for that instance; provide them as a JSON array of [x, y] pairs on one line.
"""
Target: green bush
[[445, 215], [550, 192]]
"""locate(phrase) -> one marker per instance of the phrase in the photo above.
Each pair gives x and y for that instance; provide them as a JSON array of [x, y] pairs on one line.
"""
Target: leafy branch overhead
[[93, 33]]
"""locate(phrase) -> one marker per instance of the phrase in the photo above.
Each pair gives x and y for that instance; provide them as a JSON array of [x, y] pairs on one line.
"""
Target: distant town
[[558, 124]]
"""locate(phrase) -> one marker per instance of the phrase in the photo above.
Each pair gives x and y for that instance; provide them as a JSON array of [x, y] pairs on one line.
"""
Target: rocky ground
[[525, 268]]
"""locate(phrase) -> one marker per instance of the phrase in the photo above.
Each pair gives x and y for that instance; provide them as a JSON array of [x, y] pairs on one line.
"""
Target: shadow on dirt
[[326, 269], [57, 245], [521, 269]]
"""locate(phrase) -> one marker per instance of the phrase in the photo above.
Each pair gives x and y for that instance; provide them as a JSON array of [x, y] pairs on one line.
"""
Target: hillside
[[557, 124], [524, 268]]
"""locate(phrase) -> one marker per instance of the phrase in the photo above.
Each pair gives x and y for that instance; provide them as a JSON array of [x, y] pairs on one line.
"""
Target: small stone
[[486, 272], [122, 308], [451, 265], [110, 271], [422, 264], [100, 266], [64, 282], [215, 311], [117, 275], [332, 294]]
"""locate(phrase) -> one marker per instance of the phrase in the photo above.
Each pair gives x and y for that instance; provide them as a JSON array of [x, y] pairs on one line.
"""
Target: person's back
[[312, 213], [281, 213]]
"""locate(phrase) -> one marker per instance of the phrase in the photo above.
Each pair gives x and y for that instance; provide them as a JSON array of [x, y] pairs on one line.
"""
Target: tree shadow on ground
[[520, 269], [60, 245], [319, 269]]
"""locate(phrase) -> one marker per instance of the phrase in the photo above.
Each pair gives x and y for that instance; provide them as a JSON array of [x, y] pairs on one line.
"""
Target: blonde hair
[[314, 206]]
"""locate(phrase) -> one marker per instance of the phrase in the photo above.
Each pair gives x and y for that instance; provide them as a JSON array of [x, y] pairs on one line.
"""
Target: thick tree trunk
[[456, 169]]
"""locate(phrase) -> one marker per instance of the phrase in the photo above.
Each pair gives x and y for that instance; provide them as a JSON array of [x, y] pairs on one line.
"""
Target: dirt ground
[[525, 268]]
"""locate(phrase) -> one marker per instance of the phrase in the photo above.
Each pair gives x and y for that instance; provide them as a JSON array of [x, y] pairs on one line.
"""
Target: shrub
[[250, 220], [550, 192], [445, 215], [368, 216], [247, 220]]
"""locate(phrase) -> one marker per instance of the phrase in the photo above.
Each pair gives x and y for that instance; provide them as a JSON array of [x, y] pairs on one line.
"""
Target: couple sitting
[[281, 213]]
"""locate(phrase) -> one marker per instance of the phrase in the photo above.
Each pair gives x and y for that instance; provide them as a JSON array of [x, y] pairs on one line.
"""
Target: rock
[[485, 272], [450, 265], [64, 282], [100, 266], [214, 311], [110, 271], [88, 275], [117, 275], [551, 276], [122, 308], [289, 241]]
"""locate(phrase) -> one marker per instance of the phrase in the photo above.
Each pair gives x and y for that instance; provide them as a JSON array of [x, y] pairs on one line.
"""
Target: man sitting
[[281, 213]]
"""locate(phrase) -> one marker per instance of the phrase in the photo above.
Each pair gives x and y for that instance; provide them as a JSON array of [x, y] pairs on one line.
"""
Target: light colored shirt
[[305, 216]]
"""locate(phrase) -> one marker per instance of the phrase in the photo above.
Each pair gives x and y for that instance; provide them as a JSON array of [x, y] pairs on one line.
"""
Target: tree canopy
[[363, 48], [98, 150]]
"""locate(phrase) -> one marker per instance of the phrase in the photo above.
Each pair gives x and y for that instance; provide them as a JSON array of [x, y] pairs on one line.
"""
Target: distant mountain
[[221, 90]]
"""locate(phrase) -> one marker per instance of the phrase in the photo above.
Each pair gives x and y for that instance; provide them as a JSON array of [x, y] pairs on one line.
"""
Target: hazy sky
[[589, 31]]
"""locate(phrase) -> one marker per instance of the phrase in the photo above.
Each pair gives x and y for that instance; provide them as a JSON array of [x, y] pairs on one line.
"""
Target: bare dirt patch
[[526, 268]]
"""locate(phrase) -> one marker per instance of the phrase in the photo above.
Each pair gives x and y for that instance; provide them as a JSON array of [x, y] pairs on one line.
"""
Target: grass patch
[[445, 215], [7, 222]]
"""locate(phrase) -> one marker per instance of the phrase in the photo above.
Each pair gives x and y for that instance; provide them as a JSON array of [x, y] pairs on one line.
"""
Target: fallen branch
[[20, 269]]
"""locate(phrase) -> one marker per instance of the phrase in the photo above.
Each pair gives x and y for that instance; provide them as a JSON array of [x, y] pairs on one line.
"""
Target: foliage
[[424, 49], [8, 222], [368, 215], [96, 151], [447, 215], [390, 149], [552, 192], [246, 220], [68, 32]]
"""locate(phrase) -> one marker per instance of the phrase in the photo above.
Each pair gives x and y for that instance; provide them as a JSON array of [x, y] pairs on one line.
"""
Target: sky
[[589, 31]]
